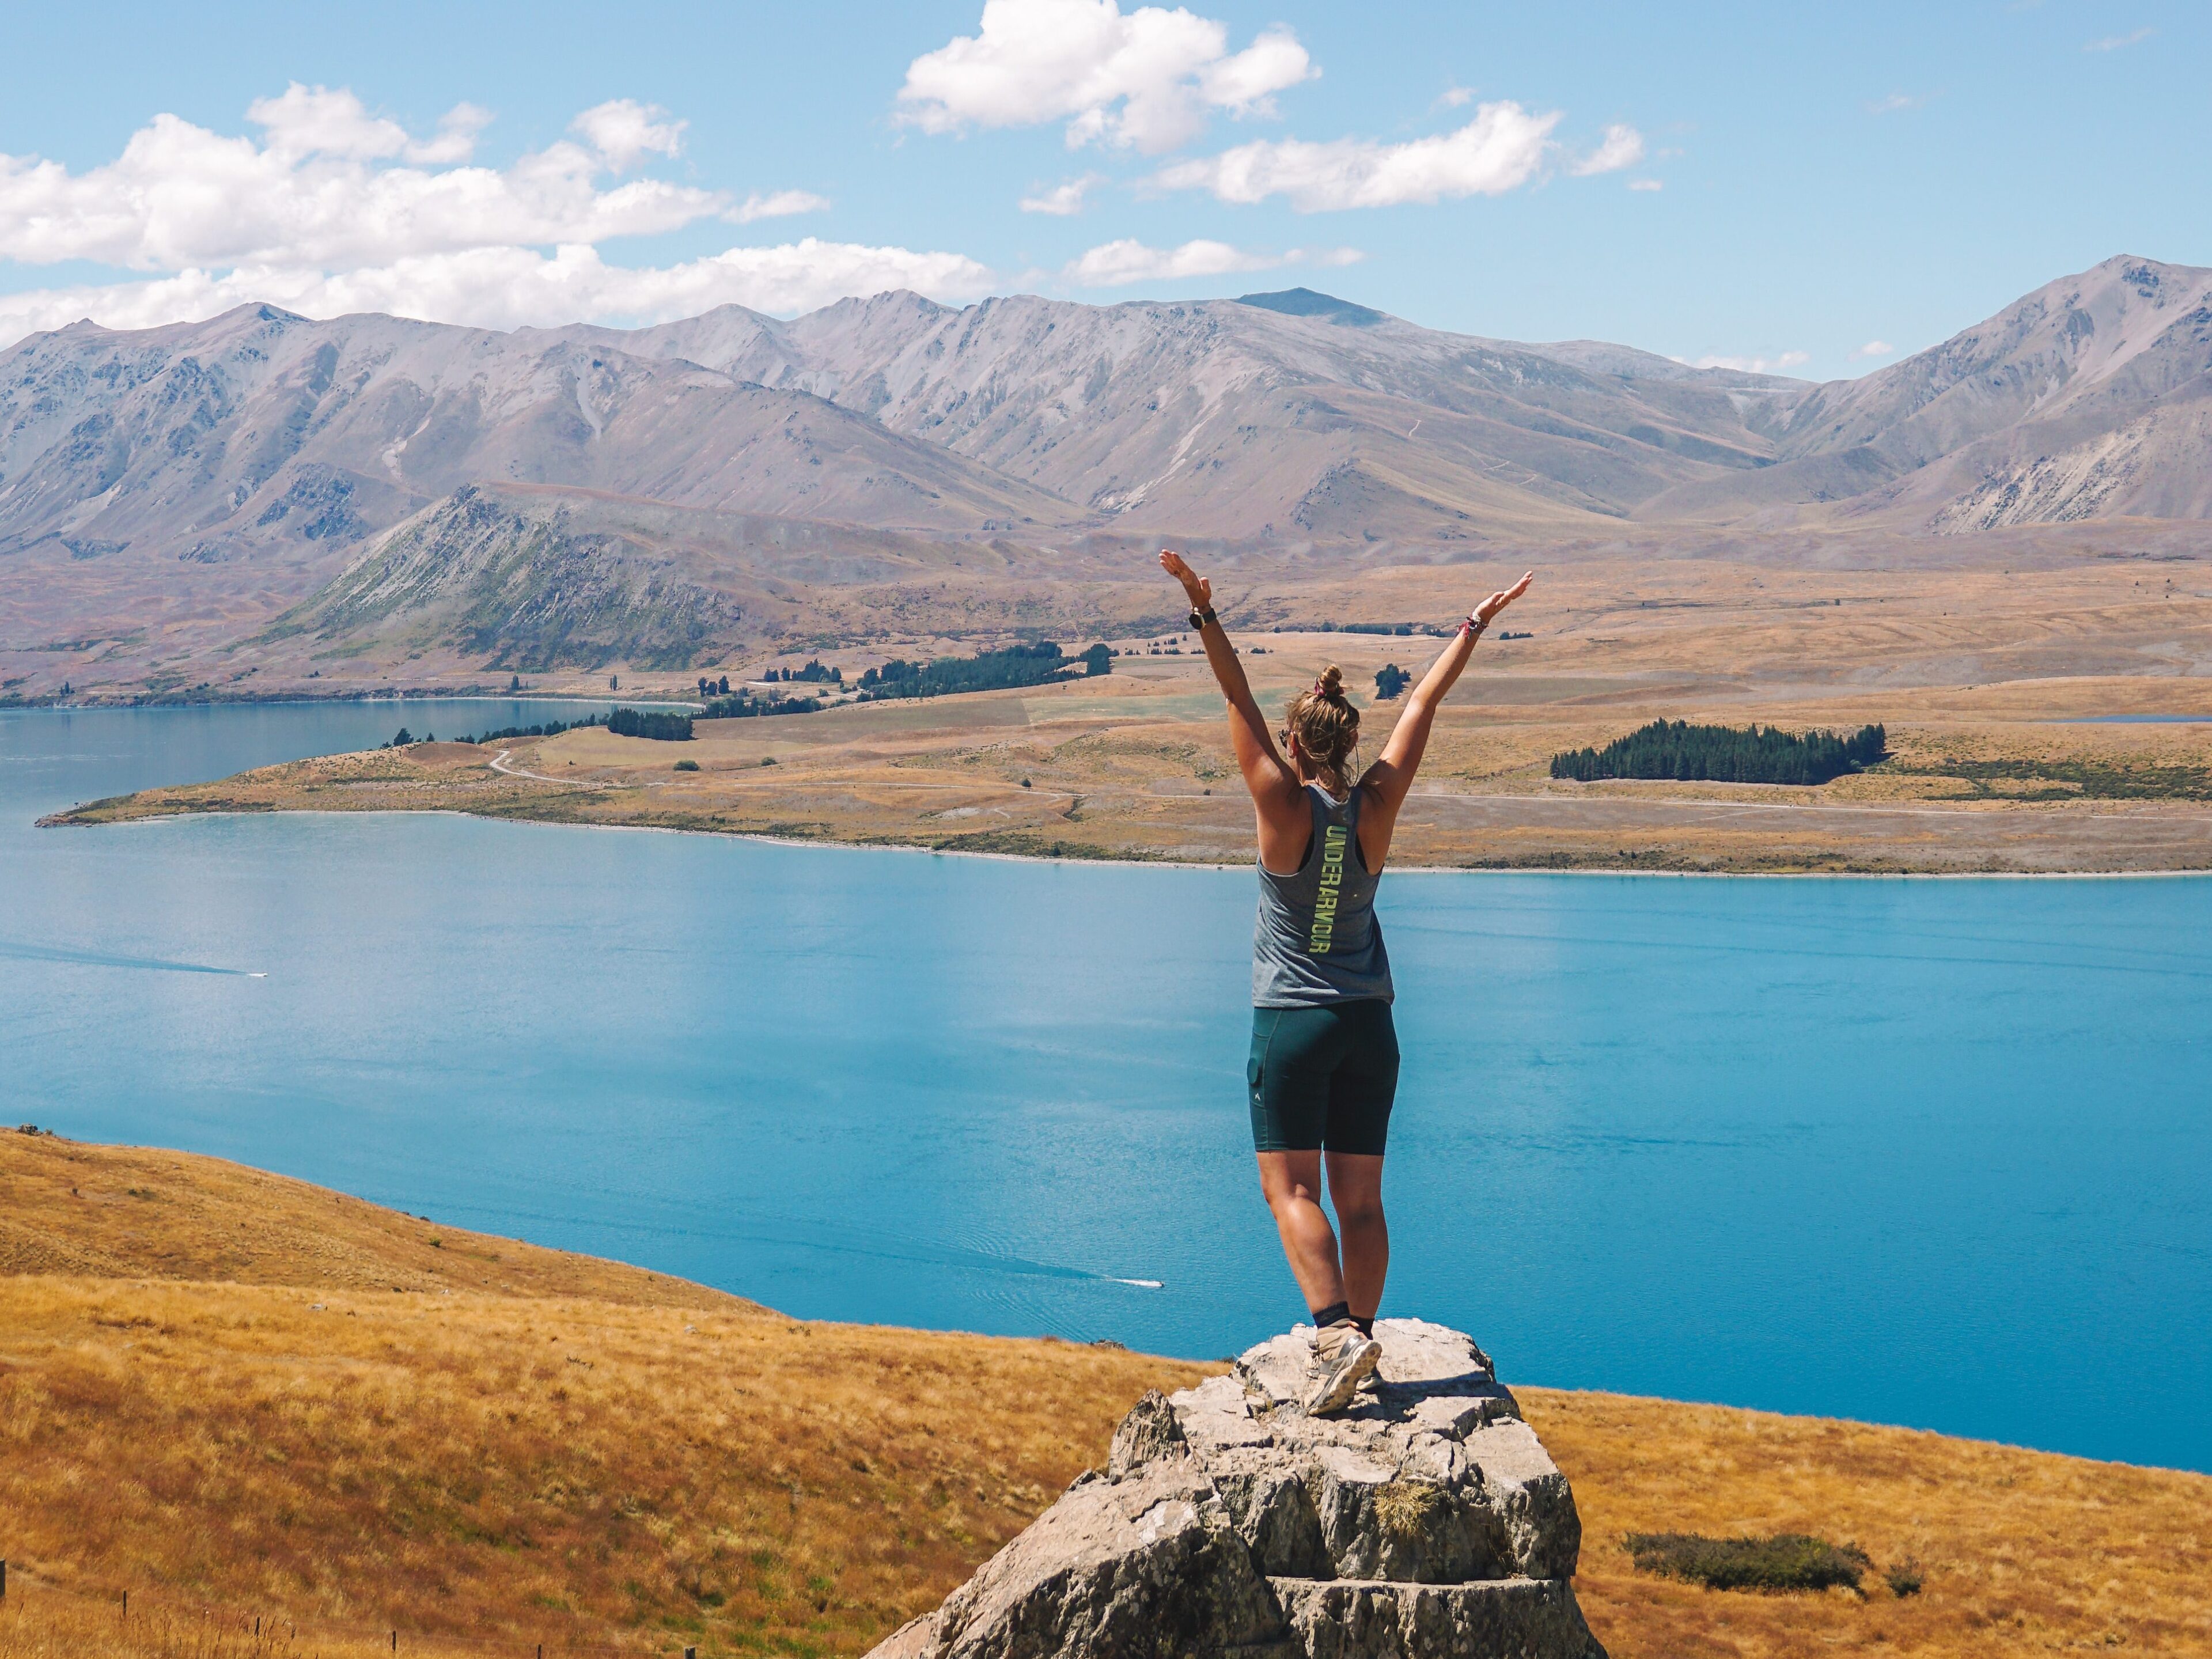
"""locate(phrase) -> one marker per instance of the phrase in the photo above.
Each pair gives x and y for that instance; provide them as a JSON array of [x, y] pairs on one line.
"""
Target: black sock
[[1366, 1327], [1337, 1313]]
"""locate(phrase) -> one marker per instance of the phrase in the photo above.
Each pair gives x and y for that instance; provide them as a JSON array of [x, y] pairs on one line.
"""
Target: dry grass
[[37, 1622], [529, 1463], [143, 1212], [2024, 1552], [580, 1452]]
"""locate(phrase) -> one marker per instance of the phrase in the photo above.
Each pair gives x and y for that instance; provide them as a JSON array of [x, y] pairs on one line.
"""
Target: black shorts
[[1322, 1078]]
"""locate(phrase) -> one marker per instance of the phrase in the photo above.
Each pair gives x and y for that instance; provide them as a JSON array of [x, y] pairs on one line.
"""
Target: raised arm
[[1391, 777], [1275, 789]]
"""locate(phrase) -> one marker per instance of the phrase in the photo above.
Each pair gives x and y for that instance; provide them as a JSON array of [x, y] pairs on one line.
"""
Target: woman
[[1324, 1065]]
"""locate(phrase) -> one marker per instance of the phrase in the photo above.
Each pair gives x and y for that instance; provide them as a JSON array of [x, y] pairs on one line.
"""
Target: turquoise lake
[[1921, 1152]]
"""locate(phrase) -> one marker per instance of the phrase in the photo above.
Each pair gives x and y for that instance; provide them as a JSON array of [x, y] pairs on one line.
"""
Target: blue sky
[[1797, 187]]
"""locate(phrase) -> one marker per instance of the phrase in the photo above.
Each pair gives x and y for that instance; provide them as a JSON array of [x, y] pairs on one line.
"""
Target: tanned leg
[[1292, 1184], [1355, 1189]]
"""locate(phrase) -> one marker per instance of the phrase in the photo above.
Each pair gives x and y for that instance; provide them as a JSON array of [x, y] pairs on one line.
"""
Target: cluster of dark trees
[[660, 724], [746, 706], [987, 671], [1390, 681], [1725, 754], [814, 673], [547, 729], [707, 688], [622, 722]]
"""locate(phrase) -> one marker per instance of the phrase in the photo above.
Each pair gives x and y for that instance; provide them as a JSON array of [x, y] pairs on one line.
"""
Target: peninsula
[[2031, 721]]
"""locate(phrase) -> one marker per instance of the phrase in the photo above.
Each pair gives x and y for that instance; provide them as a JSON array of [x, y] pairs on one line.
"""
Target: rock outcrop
[[1427, 1522]]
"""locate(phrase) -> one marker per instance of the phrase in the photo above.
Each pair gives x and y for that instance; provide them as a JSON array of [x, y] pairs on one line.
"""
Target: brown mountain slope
[[258, 451], [1237, 418], [167, 495], [2089, 399]]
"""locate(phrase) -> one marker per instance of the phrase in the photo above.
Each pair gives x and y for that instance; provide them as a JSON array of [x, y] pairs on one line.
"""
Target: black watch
[[1200, 618]]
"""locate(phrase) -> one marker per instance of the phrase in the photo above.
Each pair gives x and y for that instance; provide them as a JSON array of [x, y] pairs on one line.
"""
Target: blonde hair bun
[[1323, 724]]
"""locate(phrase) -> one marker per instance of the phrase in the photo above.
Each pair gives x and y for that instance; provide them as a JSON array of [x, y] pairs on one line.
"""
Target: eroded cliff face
[[1427, 1522]]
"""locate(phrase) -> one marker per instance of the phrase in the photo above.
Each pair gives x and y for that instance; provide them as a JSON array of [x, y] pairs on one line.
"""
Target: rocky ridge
[[1427, 1522]]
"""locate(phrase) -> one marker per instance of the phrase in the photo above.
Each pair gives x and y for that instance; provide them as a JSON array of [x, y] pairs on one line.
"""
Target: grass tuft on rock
[[1786, 1561], [1406, 1508]]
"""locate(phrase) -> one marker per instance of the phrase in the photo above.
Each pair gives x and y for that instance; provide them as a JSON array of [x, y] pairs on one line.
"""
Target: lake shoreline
[[56, 704], [70, 819]]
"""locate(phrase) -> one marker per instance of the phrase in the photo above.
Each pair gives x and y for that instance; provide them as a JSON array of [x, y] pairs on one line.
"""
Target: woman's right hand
[[1497, 601], [1200, 590]]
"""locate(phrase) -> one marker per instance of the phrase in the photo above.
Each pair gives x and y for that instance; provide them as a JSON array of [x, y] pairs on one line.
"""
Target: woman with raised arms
[[1324, 1065]]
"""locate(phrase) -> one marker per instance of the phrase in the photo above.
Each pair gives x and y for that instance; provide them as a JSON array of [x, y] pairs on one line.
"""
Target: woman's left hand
[[1497, 602]]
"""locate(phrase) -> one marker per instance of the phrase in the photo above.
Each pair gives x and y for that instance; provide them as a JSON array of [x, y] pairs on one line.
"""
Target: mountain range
[[262, 468]]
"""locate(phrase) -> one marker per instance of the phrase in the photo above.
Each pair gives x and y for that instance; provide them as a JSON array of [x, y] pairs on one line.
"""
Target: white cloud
[[2115, 42], [303, 121], [1063, 200], [1148, 78], [1116, 264], [1647, 184], [508, 287], [323, 189], [1623, 147], [1875, 349], [777, 204], [455, 140], [331, 209], [1500, 149], [624, 131], [1454, 98], [1894, 102], [1752, 365]]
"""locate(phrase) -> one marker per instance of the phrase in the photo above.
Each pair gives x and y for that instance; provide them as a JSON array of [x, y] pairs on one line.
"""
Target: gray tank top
[[1316, 941]]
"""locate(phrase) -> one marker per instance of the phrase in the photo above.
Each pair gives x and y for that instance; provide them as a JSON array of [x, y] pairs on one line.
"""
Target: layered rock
[[1426, 1522]]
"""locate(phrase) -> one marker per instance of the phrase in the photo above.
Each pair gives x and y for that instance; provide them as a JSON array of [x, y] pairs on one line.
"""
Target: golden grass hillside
[[454, 1434], [237, 1396]]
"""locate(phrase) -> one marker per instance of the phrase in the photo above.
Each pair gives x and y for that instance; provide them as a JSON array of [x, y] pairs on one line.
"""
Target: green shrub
[[687, 766], [1787, 1561], [1906, 1578]]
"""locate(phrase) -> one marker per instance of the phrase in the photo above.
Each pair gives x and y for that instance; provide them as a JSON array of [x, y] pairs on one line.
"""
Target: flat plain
[[2030, 713], [256, 1406]]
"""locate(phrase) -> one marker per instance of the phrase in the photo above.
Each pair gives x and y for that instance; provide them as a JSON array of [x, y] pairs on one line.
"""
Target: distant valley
[[261, 500]]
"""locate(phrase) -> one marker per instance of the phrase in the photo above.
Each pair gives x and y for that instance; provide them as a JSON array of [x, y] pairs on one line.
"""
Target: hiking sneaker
[[1342, 1360]]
